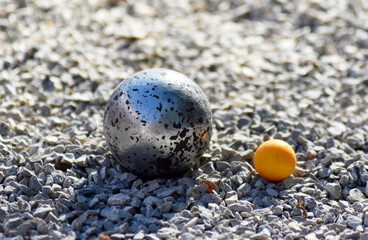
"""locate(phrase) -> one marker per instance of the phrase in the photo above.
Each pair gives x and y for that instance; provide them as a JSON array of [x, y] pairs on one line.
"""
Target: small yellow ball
[[275, 160]]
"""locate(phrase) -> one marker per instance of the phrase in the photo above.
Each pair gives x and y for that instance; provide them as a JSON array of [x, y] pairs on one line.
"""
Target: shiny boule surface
[[158, 123]]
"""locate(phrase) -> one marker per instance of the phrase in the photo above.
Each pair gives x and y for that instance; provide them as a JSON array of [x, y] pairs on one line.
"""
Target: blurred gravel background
[[293, 70]]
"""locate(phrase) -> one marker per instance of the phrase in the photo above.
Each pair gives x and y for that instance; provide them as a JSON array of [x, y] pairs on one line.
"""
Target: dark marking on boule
[[195, 137], [174, 137], [177, 125], [183, 133], [159, 107]]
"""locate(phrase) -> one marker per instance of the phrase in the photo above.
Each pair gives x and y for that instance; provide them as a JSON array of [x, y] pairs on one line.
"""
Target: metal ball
[[158, 123]]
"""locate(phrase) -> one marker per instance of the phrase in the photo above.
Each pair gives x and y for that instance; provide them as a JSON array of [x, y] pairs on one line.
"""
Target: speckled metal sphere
[[158, 123]]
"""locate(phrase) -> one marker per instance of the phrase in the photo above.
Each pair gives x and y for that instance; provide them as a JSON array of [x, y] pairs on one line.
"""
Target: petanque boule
[[158, 123]]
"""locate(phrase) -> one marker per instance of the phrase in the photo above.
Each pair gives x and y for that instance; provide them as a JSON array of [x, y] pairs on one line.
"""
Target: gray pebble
[[231, 200], [238, 180], [162, 193], [128, 178], [35, 184], [12, 223], [222, 165], [51, 218], [278, 210], [272, 192], [355, 195], [111, 214], [152, 186], [135, 202], [81, 161], [364, 236], [241, 206], [208, 168], [354, 221], [167, 233], [248, 155], [259, 184], [334, 189], [119, 199], [178, 206], [49, 168], [42, 210]]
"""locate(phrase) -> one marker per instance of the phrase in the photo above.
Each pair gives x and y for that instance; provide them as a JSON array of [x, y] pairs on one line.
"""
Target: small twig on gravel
[[300, 206]]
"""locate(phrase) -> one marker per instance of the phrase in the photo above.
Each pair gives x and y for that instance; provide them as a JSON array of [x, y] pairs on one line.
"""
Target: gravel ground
[[293, 70]]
